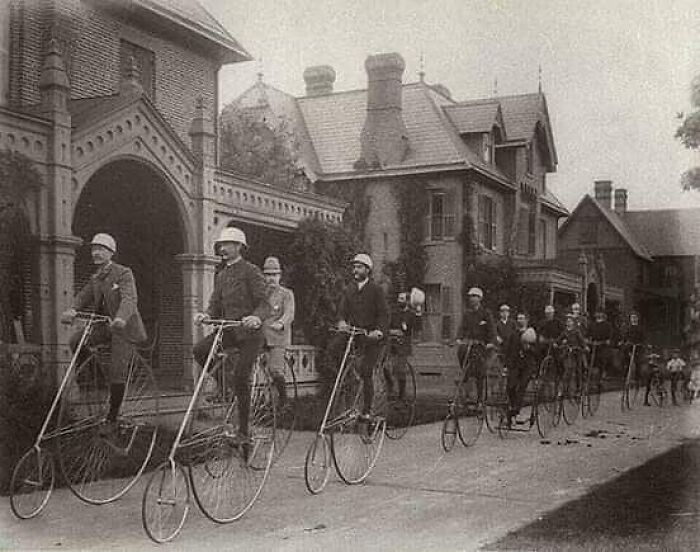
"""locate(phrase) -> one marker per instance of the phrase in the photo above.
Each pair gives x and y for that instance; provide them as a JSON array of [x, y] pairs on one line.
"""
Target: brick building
[[116, 105], [650, 259], [482, 163]]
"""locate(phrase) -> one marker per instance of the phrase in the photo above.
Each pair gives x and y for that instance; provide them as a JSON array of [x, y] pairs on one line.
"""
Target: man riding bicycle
[[521, 363], [633, 340], [111, 291], [476, 335], [239, 294], [362, 305], [600, 334], [401, 326]]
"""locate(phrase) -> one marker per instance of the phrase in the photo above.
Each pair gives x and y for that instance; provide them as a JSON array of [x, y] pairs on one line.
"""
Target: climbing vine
[[359, 205], [409, 268]]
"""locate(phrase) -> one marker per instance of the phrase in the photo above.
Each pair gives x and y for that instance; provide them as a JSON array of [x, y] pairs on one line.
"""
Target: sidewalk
[[418, 498]]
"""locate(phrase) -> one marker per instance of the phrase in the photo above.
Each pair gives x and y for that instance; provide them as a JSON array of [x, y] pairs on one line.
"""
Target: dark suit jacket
[[113, 293], [365, 308]]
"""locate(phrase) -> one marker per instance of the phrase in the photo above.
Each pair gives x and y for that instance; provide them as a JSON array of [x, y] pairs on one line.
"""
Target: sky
[[615, 73]]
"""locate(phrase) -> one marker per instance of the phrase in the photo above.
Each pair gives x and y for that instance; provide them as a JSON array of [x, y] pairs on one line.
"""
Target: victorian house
[[481, 163], [115, 104]]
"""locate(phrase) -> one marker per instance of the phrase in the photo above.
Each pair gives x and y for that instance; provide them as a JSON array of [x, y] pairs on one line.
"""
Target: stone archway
[[132, 201]]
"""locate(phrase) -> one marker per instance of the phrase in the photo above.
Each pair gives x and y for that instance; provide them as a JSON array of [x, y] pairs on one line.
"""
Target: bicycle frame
[[91, 320], [352, 331], [628, 376], [218, 338]]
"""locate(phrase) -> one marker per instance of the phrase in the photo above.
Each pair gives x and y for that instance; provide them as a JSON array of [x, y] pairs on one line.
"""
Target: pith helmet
[[272, 266], [475, 291], [105, 240], [231, 234], [364, 259]]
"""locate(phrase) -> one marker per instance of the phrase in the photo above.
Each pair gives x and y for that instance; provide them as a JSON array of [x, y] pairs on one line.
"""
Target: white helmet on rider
[[364, 259], [231, 234], [105, 240]]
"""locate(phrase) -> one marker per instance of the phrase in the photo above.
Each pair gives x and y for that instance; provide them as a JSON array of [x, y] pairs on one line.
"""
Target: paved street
[[418, 498]]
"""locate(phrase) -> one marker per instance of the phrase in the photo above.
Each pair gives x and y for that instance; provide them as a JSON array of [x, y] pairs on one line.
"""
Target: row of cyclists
[[266, 309]]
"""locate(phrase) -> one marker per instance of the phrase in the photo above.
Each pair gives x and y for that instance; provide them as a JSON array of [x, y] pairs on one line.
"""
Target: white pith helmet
[[231, 234], [364, 259], [105, 240], [475, 291]]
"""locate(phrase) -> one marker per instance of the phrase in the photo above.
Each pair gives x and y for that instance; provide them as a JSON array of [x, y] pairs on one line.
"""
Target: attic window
[[145, 62]]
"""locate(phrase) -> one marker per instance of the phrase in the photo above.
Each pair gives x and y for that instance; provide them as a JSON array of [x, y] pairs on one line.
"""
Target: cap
[[549, 308], [272, 266], [364, 259], [105, 240], [504, 308], [475, 291], [231, 234]]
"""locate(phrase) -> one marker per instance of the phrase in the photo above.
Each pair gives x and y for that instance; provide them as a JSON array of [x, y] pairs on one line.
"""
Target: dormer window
[[487, 152]]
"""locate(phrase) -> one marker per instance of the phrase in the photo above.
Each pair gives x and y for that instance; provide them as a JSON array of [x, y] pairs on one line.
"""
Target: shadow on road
[[653, 507]]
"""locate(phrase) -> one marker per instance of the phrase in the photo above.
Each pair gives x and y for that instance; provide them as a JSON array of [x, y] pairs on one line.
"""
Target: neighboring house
[[116, 104], [482, 163], [651, 259]]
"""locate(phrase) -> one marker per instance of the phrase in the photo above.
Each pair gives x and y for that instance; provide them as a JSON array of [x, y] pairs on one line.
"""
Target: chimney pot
[[603, 192], [620, 200], [319, 80]]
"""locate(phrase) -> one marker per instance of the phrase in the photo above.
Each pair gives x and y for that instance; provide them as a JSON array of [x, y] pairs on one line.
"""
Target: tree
[[259, 147], [318, 269], [689, 135]]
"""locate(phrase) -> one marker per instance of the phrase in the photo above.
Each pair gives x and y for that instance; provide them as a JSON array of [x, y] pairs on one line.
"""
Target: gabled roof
[[552, 201], [480, 116], [615, 221], [666, 232]]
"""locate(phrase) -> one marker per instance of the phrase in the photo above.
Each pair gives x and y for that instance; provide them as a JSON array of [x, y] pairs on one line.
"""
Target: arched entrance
[[592, 299], [133, 202]]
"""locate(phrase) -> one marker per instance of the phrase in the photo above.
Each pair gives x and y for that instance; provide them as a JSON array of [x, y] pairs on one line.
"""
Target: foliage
[[23, 404], [318, 267], [409, 268], [259, 148], [497, 277], [689, 135], [359, 205], [18, 178]]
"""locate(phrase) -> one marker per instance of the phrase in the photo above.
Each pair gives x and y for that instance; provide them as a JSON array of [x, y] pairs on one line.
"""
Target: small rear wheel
[[317, 465], [448, 434], [166, 502], [32, 482]]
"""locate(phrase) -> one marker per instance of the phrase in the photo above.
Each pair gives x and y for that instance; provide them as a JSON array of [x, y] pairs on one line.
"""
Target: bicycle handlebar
[[91, 316], [351, 330], [222, 322]]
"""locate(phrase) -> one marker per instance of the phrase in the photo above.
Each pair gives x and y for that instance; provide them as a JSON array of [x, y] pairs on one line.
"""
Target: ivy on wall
[[408, 270], [18, 179], [359, 205]]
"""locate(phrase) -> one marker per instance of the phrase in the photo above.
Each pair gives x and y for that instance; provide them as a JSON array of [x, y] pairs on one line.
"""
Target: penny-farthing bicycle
[[629, 395], [99, 459], [211, 460], [347, 438], [465, 410], [593, 381], [571, 384]]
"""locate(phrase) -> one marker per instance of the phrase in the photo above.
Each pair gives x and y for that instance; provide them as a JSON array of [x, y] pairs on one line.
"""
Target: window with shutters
[[441, 218], [145, 62], [487, 222]]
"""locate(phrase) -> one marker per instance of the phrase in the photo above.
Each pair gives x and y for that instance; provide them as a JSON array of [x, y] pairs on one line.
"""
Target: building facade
[[482, 165], [115, 103]]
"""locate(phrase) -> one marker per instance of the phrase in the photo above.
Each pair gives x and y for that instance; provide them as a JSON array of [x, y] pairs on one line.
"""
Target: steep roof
[[616, 222], [666, 232], [191, 16], [552, 201], [475, 116]]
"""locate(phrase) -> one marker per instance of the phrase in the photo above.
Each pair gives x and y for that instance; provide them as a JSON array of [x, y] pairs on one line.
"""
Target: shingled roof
[[480, 116], [666, 232]]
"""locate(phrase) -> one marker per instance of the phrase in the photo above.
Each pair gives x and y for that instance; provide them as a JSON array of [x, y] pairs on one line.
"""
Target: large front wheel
[[357, 438], [32, 482], [546, 404], [401, 409], [571, 394]]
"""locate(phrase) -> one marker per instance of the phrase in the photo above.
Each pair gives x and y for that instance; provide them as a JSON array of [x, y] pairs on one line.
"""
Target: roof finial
[[539, 78], [421, 70], [495, 86]]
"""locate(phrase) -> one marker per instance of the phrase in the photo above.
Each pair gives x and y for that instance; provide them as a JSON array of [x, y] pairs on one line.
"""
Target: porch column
[[198, 283]]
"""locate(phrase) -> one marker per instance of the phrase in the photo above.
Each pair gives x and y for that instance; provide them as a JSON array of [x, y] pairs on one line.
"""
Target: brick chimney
[[384, 139], [620, 200], [603, 192], [319, 80]]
